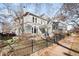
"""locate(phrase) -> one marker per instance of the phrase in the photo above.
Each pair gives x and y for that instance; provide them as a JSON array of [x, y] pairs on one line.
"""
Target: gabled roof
[[28, 13]]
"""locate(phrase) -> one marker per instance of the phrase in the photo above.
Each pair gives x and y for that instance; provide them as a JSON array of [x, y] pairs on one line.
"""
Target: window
[[33, 19], [55, 25], [34, 29]]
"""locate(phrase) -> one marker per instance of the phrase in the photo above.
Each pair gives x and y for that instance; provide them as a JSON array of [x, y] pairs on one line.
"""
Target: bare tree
[[17, 16], [5, 24]]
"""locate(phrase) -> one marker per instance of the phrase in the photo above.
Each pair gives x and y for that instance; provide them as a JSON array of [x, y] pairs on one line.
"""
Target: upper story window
[[34, 20], [55, 25]]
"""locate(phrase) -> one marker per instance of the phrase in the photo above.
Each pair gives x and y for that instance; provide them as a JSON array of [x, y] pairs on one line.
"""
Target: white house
[[32, 24]]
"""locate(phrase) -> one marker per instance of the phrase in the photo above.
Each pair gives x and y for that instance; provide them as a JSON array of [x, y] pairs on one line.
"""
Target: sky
[[40, 8]]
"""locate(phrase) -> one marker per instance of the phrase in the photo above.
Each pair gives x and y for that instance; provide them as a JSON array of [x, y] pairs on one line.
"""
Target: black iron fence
[[32, 46]]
